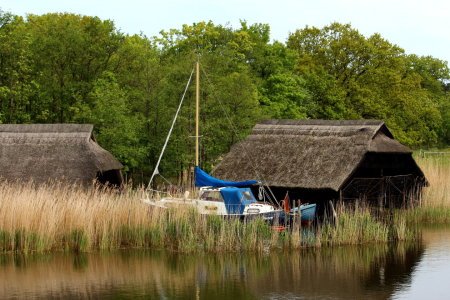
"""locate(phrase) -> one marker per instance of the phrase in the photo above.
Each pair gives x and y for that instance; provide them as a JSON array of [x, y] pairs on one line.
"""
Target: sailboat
[[224, 198], [219, 197]]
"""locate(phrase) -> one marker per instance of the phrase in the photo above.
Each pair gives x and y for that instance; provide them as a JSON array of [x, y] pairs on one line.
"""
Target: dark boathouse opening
[[110, 178]]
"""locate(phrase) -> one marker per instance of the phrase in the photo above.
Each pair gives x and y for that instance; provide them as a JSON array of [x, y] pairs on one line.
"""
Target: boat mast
[[197, 104]]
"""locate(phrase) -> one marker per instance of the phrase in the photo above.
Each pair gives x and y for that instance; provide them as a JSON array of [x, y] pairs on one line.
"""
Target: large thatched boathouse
[[55, 152], [320, 160]]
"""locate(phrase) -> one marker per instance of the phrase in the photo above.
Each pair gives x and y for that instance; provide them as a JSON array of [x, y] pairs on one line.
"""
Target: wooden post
[[299, 213], [333, 210]]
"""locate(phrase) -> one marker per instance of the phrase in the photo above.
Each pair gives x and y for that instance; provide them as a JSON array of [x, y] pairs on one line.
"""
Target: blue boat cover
[[204, 179], [236, 199]]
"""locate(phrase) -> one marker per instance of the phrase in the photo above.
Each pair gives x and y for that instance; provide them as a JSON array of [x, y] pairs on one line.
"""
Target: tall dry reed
[[360, 225], [435, 203], [437, 172], [72, 218], [58, 217]]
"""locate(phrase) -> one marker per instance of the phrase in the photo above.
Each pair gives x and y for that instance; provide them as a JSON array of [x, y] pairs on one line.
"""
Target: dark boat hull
[[308, 213]]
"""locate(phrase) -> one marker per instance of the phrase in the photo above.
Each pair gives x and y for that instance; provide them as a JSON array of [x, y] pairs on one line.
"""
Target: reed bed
[[360, 225], [70, 218], [437, 172], [435, 202]]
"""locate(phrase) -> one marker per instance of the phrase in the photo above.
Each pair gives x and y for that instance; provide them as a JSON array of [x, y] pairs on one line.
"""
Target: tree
[[116, 128], [16, 83], [285, 97], [371, 79], [228, 91], [69, 53], [434, 78], [72, 68]]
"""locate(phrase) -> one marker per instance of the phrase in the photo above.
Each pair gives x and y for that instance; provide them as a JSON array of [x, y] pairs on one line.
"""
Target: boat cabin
[[227, 200]]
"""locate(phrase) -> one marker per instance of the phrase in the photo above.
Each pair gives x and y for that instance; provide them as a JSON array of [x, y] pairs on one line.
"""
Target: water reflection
[[370, 272], [430, 278]]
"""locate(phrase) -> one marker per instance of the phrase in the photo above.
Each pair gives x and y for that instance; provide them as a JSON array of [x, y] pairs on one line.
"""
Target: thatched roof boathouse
[[55, 152], [322, 160]]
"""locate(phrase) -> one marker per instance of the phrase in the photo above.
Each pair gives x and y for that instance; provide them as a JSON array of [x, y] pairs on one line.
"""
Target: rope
[[236, 132], [156, 171], [170, 183]]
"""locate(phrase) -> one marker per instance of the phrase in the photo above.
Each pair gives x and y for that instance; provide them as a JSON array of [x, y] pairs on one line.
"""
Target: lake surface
[[418, 270]]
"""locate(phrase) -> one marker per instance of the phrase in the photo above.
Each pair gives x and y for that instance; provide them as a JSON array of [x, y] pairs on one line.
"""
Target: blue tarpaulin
[[204, 179], [236, 199]]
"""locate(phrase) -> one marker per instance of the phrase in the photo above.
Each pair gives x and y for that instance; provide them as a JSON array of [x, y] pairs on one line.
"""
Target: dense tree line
[[66, 68]]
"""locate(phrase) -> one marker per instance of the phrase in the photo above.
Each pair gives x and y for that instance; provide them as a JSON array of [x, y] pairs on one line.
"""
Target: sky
[[419, 27]]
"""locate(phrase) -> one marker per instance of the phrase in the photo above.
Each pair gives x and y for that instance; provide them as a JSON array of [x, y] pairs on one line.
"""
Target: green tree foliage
[[284, 96], [16, 83], [435, 79], [117, 129], [229, 104], [373, 79], [69, 52], [71, 68]]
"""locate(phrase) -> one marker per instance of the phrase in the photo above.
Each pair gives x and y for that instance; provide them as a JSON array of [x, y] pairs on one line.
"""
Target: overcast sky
[[419, 27]]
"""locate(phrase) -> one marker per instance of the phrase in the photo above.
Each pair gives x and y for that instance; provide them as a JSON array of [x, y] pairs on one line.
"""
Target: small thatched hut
[[55, 152], [319, 160]]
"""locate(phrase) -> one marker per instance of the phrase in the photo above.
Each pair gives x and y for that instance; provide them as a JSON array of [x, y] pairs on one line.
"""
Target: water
[[431, 276], [418, 270]]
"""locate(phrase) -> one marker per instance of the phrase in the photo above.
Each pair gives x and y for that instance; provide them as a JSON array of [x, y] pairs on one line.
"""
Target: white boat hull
[[210, 207]]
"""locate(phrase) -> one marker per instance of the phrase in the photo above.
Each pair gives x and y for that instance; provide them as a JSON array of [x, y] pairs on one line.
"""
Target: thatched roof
[[42, 152], [312, 154]]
